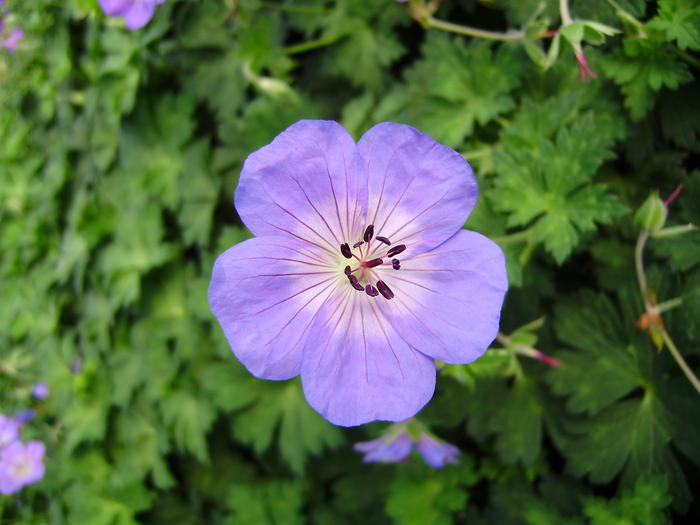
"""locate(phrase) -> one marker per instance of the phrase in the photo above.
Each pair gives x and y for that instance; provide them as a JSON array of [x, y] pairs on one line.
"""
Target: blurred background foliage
[[119, 153]]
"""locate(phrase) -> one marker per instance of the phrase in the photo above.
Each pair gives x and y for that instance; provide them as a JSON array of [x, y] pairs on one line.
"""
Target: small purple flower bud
[[437, 453], [390, 448], [24, 416], [76, 366], [40, 390]]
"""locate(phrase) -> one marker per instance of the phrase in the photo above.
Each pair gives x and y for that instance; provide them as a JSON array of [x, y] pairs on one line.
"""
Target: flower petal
[[420, 192], [357, 369], [386, 449], [115, 7], [437, 453], [266, 292], [139, 14], [447, 303], [306, 183]]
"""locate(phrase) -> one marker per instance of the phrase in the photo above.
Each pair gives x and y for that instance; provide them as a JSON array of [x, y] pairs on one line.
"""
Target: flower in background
[[9, 37], [136, 13], [24, 416], [393, 447], [437, 453], [40, 390], [21, 464], [396, 445], [584, 70], [360, 274], [10, 42], [9, 430]]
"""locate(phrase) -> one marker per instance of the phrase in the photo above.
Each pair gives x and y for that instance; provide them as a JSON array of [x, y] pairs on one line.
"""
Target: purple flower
[[437, 453], [390, 448], [10, 42], [9, 430], [136, 13], [40, 390], [360, 274], [396, 445], [20, 465], [24, 416]]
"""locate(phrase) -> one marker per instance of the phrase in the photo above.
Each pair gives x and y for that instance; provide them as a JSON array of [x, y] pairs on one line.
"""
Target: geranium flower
[[360, 274], [40, 390], [399, 440], [136, 13], [21, 464], [437, 453], [9, 430]]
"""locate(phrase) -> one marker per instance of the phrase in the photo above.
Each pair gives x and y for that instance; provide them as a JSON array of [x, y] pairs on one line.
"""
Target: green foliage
[[416, 498], [548, 186], [119, 155]]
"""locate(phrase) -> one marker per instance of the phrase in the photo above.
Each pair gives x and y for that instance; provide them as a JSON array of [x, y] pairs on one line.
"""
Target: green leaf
[[416, 498], [680, 20], [513, 414], [550, 186], [189, 419], [454, 87], [271, 503], [602, 369], [641, 68], [644, 505], [302, 432], [367, 46]]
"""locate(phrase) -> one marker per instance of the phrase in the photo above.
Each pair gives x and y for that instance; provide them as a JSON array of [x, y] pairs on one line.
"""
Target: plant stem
[[641, 278], [688, 58], [681, 362], [565, 14], [477, 154], [472, 31], [639, 264], [311, 44], [513, 238], [675, 230], [669, 305]]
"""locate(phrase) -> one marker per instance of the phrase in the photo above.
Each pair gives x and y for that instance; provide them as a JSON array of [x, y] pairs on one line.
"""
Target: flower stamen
[[361, 280], [396, 250], [383, 239], [355, 283], [369, 232], [385, 290], [373, 263]]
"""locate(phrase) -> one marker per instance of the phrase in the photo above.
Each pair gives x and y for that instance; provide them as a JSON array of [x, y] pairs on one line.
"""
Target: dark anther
[[345, 250], [348, 270], [368, 233], [384, 240], [358, 244], [395, 263], [355, 284], [371, 291], [396, 250], [373, 263], [385, 290]]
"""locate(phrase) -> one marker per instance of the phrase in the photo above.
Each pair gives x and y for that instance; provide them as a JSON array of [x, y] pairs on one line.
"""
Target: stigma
[[366, 257]]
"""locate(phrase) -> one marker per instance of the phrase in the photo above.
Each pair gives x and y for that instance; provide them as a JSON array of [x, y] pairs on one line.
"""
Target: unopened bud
[[651, 216]]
